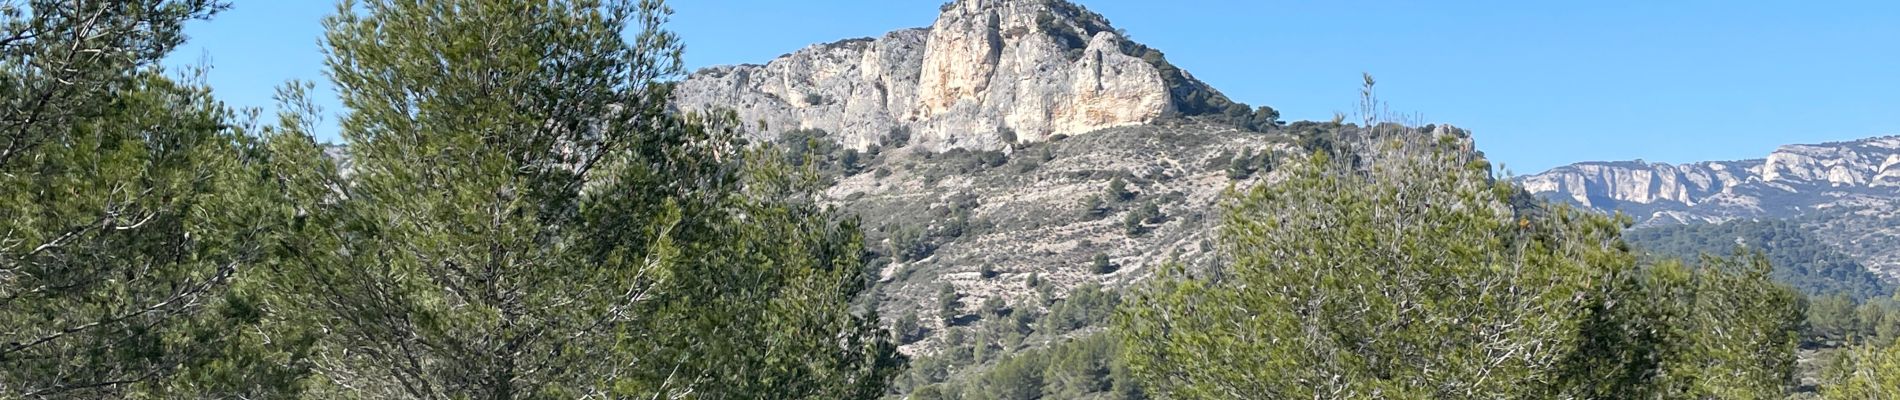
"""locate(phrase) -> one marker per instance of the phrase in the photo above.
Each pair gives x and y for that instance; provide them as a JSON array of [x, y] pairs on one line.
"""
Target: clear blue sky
[[1540, 83]]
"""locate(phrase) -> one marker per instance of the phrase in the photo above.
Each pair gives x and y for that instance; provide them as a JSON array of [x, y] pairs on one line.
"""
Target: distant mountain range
[[1847, 193], [1791, 181]]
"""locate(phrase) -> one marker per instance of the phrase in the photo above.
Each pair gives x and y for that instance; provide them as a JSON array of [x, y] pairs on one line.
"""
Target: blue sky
[[1540, 83]]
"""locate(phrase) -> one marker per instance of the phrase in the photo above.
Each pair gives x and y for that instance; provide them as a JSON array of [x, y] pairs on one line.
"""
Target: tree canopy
[[1418, 275]]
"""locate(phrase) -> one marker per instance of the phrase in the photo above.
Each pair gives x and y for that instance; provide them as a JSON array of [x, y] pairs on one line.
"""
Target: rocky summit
[[987, 74]]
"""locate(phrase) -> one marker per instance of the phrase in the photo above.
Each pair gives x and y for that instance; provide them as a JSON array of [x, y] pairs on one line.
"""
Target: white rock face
[[1593, 183], [1035, 68], [1793, 179], [1867, 162]]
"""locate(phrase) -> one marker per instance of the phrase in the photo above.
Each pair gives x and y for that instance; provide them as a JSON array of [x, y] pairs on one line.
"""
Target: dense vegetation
[[1018, 353], [518, 212], [1803, 261], [1838, 318], [1868, 372], [1421, 277], [522, 216]]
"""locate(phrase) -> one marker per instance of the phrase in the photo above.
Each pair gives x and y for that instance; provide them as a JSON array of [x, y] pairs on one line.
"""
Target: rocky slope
[[1846, 193], [984, 229], [987, 73], [985, 149]]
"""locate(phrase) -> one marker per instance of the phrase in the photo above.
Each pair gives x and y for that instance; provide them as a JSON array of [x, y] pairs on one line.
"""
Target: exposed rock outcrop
[[1609, 183], [1792, 179], [986, 73]]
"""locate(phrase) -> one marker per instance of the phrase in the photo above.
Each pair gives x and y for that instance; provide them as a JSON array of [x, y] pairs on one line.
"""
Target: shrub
[[899, 136], [949, 305], [994, 307], [1087, 305], [1094, 207], [1118, 190], [1241, 167], [907, 329], [1101, 265], [909, 243], [1137, 220]]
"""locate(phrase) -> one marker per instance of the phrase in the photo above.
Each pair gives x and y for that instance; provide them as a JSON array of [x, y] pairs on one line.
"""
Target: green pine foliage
[[1085, 367], [128, 214], [524, 217], [1118, 190], [1101, 265], [1719, 329], [1086, 305], [949, 304], [1420, 276], [1865, 372], [1839, 318]]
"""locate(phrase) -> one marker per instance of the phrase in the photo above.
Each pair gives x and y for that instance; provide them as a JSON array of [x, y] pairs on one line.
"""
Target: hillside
[[1014, 166]]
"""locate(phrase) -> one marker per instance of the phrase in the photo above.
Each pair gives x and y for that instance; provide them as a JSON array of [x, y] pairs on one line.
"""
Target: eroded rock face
[[986, 72], [1869, 163], [1606, 183], [1793, 179]]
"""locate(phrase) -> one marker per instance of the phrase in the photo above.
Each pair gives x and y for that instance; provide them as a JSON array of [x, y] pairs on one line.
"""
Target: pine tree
[[1721, 329], [523, 216], [1417, 275], [127, 213], [949, 305], [1118, 190], [1862, 372]]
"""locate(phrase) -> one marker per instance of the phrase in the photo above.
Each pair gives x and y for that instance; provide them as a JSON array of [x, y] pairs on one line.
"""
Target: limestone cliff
[[986, 73], [1609, 183], [1791, 180]]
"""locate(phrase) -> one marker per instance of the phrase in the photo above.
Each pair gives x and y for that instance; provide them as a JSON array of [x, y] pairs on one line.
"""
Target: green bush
[[898, 137], [949, 304], [1118, 190], [1087, 305], [1093, 207]]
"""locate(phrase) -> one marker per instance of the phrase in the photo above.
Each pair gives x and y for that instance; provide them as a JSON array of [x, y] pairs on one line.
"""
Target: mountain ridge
[[1847, 193], [1791, 180]]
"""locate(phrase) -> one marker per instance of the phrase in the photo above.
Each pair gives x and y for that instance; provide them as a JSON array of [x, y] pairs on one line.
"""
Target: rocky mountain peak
[[987, 73]]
